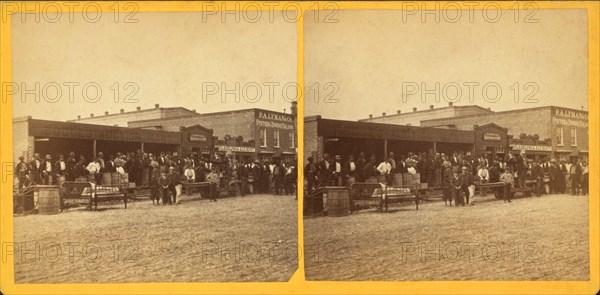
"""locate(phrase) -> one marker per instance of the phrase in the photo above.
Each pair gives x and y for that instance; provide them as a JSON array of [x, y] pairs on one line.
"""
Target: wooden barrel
[[398, 179], [146, 176], [125, 178], [407, 179], [106, 178], [48, 199], [115, 178], [351, 180], [338, 201]]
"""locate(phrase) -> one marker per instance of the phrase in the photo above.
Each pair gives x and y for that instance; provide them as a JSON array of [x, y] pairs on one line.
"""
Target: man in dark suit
[[401, 164], [325, 169], [242, 174], [521, 165], [35, 169], [553, 173], [310, 174], [350, 169], [360, 166], [537, 174], [22, 172], [70, 162], [48, 171]]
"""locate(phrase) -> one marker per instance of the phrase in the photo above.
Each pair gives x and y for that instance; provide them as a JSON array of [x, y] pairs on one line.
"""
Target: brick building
[[337, 137], [259, 133], [415, 117], [123, 117], [560, 133], [54, 137], [248, 133]]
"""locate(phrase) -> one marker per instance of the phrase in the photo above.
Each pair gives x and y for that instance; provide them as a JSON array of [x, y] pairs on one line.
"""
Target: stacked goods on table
[[390, 191]]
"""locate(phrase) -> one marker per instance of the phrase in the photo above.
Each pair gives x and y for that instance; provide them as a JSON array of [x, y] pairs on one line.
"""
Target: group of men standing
[[456, 173]]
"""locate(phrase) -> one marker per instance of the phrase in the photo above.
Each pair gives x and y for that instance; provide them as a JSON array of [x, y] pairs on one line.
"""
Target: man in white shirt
[[337, 171], [48, 171], [384, 169]]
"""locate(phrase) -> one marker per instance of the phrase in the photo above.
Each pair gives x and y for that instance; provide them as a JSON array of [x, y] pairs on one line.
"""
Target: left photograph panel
[[154, 146]]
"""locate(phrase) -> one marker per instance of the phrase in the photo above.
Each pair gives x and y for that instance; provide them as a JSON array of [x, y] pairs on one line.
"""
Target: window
[[559, 135], [263, 137], [292, 139], [276, 138], [573, 136]]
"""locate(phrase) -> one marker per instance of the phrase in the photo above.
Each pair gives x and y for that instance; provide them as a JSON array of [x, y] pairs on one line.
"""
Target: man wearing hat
[[174, 180], [325, 170], [337, 174], [446, 182], [466, 180], [22, 171], [310, 174], [35, 169], [521, 166], [553, 174], [48, 171]]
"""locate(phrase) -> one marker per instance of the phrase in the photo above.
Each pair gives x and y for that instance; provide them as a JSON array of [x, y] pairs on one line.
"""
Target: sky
[[173, 59], [369, 62]]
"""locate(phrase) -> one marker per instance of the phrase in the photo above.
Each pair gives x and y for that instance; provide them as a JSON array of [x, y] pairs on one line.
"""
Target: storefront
[[345, 138], [491, 140], [54, 138]]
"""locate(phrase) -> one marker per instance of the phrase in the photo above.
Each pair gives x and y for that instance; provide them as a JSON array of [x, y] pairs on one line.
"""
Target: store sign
[[571, 114], [492, 136], [275, 117], [527, 147], [269, 124], [569, 122], [197, 137], [238, 149]]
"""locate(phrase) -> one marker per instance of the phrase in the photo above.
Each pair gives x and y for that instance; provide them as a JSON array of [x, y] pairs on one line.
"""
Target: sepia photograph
[[154, 147], [447, 145]]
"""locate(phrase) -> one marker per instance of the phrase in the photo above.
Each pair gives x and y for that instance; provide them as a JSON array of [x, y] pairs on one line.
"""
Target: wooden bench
[[91, 193], [369, 192], [187, 186], [494, 186], [397, 194], [382, 195]]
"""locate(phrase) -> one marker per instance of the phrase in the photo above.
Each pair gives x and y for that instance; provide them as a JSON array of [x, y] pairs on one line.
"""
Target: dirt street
[[252, 238], [532, 238]]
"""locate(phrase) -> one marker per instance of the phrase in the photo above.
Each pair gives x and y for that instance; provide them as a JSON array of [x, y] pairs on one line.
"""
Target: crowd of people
[[455, 173], [164, 173]]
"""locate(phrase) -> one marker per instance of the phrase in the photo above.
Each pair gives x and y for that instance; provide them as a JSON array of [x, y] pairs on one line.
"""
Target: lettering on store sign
[[269, 124], [197, 137], [537, 148], [571, 114], [492, 136], [239, 149], [275, 117], [570, 122]]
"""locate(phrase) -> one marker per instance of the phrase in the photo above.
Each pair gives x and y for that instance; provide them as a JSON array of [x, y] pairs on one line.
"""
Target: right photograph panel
[[446, 145]]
